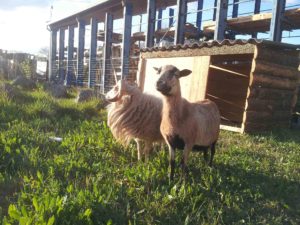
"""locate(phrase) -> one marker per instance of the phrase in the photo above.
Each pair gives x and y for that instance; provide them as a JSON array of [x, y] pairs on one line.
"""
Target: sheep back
[[136, 116]]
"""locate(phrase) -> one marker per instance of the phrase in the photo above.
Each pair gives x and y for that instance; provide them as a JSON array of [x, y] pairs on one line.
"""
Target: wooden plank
[[270, 93], [286, 57], [141, 74], [267, 81], [199, 78], [232, 59], [231, 128], [229, 111], [228, 71], [216, 50], [256, 23], [250, 127], [268, 116], [254, 104], [270, 68]]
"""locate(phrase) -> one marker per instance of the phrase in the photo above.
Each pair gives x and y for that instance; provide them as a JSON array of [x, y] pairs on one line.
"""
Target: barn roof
[[226, 42]]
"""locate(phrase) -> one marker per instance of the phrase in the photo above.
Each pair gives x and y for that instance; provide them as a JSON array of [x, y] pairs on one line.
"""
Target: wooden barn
[[91, 47], [254, 83]]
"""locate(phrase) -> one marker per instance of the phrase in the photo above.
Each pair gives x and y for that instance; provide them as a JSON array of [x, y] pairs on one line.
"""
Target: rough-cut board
[[254, 84], [193, 87], [256, 23]]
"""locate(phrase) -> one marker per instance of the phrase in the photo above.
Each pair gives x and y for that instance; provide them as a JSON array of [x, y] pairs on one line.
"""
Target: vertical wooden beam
[[93, 52], [70, 57], [151, 11], [180, 24], [52, 55], [235, 8], [159, 17], [221, 17], [80, 52], [61, 55], [199, 14], [256, 11], [257, 6], [276, 21], [107, 51], [215, 10], [126, 39], [171, 17]]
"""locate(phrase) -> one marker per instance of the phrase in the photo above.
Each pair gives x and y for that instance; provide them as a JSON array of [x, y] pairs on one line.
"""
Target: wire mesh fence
[[99, 73]]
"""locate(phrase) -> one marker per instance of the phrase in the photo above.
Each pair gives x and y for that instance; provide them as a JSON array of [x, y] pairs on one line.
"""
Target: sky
[[23, 24]]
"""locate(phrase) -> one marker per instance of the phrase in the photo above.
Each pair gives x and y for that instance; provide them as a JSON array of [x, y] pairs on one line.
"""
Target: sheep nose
[[161, 82]]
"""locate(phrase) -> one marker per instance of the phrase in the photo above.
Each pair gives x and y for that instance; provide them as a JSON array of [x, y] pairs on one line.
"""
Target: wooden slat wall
[[273, 81], [229, 89], [193, 87]]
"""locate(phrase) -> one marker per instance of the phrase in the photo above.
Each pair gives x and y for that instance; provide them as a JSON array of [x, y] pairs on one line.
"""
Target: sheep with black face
[[185, 125], [134, 115]]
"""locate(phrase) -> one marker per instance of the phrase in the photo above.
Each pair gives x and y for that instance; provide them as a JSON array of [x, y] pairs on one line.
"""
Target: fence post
[[61, 55], [151, 11], [70, 57], [80, 52], [180, 24], [126, 39], [93, 52], [52, 54], [107, 51]]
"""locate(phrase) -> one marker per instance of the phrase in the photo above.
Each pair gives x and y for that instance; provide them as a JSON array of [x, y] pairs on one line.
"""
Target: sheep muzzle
[[162, 87]]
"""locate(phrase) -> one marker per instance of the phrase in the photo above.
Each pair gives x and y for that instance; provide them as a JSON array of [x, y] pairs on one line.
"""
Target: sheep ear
[[184, 73], [157, 70]]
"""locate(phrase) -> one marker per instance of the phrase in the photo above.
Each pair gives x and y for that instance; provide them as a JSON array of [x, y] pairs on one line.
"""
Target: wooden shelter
[[254, 83]]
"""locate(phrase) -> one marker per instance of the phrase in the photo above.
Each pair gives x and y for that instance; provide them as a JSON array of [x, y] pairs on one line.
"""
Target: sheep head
[[121, 89], [168, 83]]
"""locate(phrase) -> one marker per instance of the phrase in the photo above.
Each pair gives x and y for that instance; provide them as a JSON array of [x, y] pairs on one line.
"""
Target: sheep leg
[[205, 155], [139, 148], [147, 148], [212, 153], [171, 161], [184, 160]]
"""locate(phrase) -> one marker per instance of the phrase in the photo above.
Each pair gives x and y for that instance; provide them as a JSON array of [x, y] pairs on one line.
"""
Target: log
[[254, 104], [250, 127], [282, 57], [273, 69], [267, 116], [264, 80], [270, 93], [229, 71]]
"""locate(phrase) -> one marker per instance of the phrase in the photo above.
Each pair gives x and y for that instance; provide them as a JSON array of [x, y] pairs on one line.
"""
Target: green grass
[[89, 178]]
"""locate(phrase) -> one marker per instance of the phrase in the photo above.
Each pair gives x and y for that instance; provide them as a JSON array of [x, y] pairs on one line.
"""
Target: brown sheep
[[134, 115], [185, 125]]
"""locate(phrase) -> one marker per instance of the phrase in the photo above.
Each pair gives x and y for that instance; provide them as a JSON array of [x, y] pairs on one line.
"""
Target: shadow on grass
[[246, 194]]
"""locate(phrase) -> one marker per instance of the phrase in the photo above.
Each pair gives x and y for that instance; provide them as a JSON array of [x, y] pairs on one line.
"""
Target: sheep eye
[[170, 76]]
